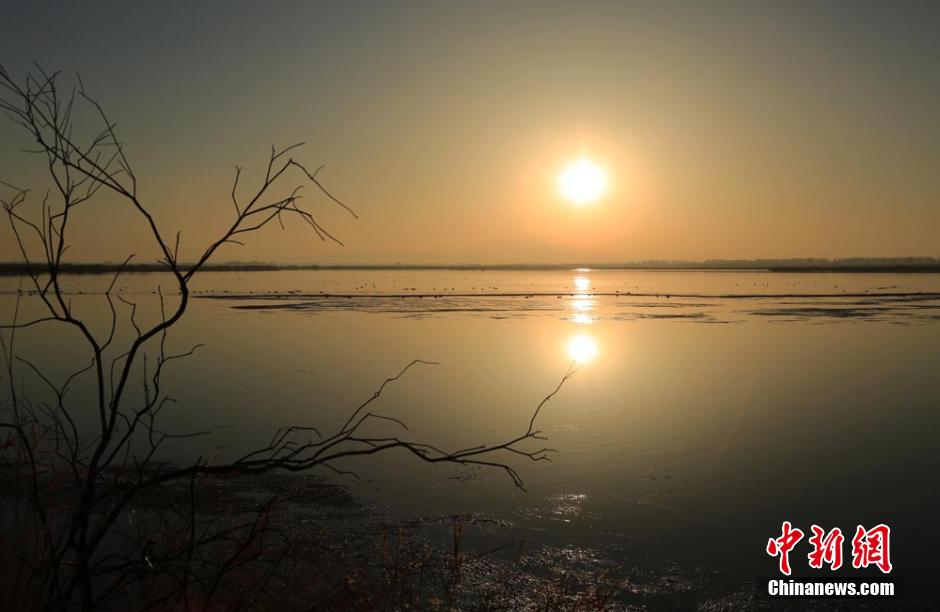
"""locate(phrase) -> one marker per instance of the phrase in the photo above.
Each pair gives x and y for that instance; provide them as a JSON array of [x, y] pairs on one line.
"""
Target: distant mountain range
[[805, 264]]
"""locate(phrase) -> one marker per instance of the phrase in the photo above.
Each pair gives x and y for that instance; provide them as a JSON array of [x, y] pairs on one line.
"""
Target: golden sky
[[727, 129]]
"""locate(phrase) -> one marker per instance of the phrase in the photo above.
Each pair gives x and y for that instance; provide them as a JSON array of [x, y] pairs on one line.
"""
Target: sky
[[727, 129]]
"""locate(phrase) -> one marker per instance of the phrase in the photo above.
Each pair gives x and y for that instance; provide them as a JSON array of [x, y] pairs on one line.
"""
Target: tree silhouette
[[77, 481]]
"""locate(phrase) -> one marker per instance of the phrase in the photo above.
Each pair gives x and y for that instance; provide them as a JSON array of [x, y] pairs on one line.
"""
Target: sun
[[582, 181]]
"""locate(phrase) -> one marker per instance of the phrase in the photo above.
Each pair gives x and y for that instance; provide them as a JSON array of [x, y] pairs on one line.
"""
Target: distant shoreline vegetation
[[861, 264]]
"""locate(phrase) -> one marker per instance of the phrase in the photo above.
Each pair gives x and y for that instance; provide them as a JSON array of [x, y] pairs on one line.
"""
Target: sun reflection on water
[[582, 283], [582, 349], [582, 302]]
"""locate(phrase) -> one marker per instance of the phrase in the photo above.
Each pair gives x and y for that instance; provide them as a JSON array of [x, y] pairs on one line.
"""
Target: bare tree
[[79, 480]]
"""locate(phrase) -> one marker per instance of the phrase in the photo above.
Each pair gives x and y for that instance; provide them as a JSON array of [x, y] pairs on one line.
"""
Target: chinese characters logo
[[869, 547]]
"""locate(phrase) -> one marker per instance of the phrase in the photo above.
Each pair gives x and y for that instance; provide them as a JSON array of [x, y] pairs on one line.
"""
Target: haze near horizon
[[730, 130]]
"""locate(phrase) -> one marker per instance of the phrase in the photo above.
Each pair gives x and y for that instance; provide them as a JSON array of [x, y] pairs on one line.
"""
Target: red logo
[[827, 548], [783, 545], [869, 547], [872, 547]]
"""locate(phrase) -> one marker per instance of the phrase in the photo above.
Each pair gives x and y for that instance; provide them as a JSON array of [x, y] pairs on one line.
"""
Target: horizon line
[[789, 264]]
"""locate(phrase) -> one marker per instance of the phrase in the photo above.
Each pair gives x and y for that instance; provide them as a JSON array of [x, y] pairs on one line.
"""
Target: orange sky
[[733, 131]]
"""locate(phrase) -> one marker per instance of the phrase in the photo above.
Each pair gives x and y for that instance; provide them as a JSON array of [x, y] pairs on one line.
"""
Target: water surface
[[707, 406]]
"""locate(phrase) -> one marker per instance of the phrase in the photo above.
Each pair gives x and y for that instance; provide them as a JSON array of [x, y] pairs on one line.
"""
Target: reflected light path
[[582, 349], [582, 283], [582, 302]]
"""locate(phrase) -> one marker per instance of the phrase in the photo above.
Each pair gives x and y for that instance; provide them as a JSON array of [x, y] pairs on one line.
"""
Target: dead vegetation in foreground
[[294, 542]]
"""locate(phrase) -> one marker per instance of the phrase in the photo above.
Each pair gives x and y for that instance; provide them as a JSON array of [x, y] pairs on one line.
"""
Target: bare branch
[[111, 462]]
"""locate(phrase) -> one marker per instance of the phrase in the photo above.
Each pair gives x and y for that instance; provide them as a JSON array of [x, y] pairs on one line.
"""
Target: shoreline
[[912, 266]]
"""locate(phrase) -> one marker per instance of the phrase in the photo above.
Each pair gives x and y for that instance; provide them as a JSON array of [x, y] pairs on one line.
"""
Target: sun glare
[[582, 181], [582, 348]]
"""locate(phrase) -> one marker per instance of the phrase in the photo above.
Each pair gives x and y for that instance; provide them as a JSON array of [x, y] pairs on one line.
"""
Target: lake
[[707, 406]]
